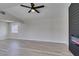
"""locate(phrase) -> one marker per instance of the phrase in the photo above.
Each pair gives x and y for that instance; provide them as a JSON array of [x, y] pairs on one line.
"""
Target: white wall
[[3, 30], [50, 29]]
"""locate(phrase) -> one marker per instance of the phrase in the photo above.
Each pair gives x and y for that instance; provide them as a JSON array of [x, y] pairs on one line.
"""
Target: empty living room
[[37, 29]]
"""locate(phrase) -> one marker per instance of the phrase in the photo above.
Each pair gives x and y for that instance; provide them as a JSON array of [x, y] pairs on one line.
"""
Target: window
[[14, 27]]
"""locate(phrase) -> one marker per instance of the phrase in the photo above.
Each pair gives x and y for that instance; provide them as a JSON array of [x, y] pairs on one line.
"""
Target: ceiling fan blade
[[32, 4], [29, 11], [42, 6], [25, 6], [37, 11]]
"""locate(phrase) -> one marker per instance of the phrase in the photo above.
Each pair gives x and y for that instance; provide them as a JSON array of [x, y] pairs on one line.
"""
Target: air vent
[[2, 12]]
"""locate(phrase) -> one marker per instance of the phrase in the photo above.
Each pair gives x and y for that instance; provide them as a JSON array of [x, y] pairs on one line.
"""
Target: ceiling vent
[[2, 12]]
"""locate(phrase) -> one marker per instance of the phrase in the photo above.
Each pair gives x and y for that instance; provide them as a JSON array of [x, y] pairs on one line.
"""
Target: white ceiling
[[51, 10], [7, 5]]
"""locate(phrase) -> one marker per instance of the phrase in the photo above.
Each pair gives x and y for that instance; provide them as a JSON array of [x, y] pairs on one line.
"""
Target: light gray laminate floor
[[13, 47]]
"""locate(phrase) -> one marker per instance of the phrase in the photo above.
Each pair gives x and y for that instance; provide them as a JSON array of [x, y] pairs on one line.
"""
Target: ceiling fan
[[33, 8]]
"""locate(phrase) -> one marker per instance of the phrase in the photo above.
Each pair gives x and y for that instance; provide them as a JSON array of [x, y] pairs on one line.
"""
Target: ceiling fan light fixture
[[33, 10]]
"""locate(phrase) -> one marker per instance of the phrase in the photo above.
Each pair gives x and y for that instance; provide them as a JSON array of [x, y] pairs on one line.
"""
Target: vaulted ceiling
[[50, 11]]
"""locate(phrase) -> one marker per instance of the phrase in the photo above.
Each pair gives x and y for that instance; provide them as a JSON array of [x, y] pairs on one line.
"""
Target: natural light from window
[[14, 28]]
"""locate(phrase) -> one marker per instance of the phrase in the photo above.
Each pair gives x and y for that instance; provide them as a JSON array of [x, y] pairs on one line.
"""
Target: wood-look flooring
[[13, 47]]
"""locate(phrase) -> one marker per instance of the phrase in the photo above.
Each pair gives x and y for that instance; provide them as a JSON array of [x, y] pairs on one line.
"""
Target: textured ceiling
[[7, 5], [50, 11]]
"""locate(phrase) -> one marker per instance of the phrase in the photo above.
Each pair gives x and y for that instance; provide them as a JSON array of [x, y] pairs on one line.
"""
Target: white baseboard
[[38, 40]]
